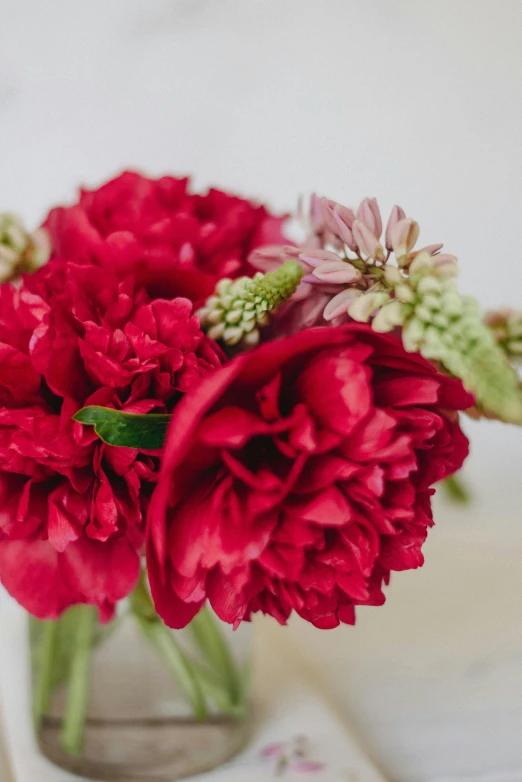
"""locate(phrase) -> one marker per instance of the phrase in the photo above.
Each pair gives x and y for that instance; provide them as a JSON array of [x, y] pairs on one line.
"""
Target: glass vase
[[132, 700]]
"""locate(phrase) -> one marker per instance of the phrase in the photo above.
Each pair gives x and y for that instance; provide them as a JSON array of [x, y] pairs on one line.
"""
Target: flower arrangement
[[191, 401]]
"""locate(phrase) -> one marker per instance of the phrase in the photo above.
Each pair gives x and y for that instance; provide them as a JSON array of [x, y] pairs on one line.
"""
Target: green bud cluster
[[12, 233], [239, 308], [20, 250], [446, 327]]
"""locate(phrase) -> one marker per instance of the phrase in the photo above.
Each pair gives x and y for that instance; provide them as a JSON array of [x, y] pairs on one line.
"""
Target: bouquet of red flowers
[[190, 400]]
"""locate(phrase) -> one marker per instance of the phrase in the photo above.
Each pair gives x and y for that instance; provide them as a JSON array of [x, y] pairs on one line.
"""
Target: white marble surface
[[411, 101]]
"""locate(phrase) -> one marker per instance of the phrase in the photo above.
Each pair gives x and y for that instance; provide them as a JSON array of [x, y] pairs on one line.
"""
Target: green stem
[[78, 683], [207, 634], [162, 638], [213, 687], [44, 674], [456, 489]]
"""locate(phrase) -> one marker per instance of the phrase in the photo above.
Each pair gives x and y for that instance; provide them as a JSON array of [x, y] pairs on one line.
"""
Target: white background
[[412, 101]]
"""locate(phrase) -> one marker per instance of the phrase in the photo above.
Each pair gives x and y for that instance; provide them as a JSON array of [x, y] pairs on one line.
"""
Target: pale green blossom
[[20, 251], [239, 308], [446, 327]]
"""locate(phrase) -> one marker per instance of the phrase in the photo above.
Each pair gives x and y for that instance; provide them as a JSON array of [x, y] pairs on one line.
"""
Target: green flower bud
[[393, 275], [363, 307], [429, 285], [389, 317], [404, 293], [421, 264], [432, 302], [446, 327]]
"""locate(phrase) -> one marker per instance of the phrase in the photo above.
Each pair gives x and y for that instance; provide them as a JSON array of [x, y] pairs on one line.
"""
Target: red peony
[[159, 225], [298, 476], [72, 508]]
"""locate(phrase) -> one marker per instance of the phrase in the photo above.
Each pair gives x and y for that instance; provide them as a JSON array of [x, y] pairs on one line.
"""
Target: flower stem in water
[[44, 671], [78, 683]]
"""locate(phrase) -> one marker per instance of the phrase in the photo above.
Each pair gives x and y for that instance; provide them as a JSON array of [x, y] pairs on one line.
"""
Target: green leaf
[[126, 430]]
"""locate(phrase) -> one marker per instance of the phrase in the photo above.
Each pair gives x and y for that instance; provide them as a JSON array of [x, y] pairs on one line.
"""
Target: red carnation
[[158, 225], [72, 508], [298, 476]]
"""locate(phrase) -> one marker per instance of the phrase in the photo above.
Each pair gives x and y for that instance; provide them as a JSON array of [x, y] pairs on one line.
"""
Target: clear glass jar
[[132, 700]]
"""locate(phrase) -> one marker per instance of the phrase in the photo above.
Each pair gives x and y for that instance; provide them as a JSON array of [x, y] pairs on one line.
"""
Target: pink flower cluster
[[340, 257]]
